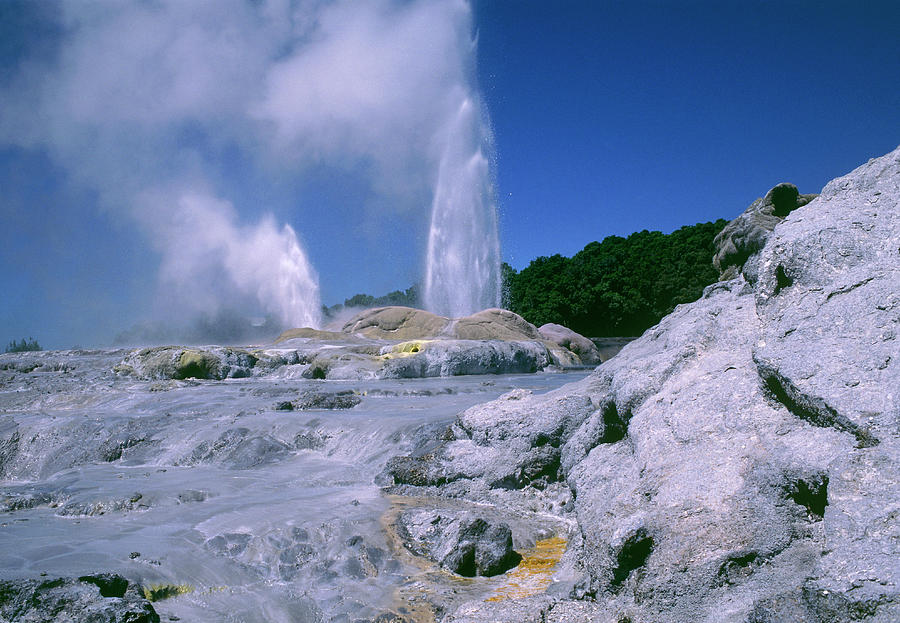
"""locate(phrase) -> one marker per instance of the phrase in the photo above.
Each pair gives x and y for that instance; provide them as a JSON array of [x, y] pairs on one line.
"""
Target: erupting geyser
[[462, 273]]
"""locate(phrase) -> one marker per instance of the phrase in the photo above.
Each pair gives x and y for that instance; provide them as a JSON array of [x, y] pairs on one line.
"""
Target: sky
[[163, 160]]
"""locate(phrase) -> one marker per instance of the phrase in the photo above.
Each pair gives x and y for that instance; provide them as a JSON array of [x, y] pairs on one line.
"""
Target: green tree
[[617, 287], [23, 345]]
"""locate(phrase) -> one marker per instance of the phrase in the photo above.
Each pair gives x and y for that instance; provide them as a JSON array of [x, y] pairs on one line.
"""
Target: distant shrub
[[23, 346]]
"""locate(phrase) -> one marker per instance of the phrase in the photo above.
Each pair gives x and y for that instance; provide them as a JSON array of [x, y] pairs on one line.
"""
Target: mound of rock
[[103, 598], [459, 541], [737, 463], [396, 323], [562, 336], [174, 362], [494, 324], [739, 243]]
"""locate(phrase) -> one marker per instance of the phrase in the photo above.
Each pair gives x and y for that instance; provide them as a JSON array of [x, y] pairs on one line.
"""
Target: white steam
[[266, 261], [170, 110]]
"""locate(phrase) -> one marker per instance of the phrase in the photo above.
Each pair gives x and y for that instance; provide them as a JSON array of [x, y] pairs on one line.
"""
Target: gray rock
[[739, 243], [176, 362], [508, 443], [102, 598], [587, 351], [239, 448], [462, 357], [459, 541], [738, 462], [346, 399]]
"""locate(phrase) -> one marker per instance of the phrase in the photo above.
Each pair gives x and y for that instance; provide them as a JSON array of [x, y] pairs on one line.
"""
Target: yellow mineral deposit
[[535, 573]]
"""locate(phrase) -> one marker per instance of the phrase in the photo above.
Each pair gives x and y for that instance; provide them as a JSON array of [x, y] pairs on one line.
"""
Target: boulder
[[344, 399], [739, 243], [178, 362], [459, 541], [586, 350], [102, 598], [494, 324], [238, 448], [396, 323]]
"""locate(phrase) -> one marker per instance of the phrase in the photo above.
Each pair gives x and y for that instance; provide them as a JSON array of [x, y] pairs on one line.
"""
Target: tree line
[[617, 287]]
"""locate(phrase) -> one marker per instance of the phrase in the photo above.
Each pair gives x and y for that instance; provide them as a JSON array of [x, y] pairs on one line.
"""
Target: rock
[[738, 462], [346, 399], [459, 357], [174, 362], [396, 323], [312, 334], [739, 243], [587, 352], [494, 324], [509, 443], [101, 507], [458, 541], [102, 598], [238, 448]]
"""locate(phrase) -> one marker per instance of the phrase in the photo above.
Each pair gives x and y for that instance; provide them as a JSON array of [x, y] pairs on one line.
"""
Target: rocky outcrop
[[172, 362], [396, 323], [458, 541], [388, 342], [739, 243], [562, 336], [738, 462], [494, 324], [103, 598]]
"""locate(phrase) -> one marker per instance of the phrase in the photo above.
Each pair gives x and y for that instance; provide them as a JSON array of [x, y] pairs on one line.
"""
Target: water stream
[[262, 515]]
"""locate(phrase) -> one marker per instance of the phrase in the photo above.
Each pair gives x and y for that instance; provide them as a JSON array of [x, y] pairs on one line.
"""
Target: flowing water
[[259, 514]]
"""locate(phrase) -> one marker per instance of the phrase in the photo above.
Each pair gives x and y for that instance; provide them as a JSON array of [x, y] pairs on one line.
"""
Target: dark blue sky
[[612, 117], [609, 118]]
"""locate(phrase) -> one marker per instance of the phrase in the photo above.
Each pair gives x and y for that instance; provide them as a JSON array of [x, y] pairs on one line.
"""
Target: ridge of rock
[[740, 461]]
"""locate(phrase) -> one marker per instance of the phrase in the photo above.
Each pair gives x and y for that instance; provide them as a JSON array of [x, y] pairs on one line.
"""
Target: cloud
[[164, 108]]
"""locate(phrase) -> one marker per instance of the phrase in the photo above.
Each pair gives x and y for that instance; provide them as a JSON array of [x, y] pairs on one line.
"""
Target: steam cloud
[[158, 106]]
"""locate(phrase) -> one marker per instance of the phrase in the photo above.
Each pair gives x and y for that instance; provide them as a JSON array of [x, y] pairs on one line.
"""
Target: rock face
[[739, 243], [737, 463], [172, 362], [101, 598]]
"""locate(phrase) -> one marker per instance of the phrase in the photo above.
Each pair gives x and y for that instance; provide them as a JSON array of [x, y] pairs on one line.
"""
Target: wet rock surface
[[738, 462], [199, 487], [459, 541], [100, 598]]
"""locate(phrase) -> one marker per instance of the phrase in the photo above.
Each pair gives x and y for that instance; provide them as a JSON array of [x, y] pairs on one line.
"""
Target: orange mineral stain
[[535, 573]]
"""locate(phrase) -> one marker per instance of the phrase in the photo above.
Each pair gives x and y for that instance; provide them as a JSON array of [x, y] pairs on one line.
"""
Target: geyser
[[210, 257], [462, 272]]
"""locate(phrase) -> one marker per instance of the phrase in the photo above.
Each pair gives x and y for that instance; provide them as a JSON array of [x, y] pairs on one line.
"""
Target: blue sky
[[608, 118]]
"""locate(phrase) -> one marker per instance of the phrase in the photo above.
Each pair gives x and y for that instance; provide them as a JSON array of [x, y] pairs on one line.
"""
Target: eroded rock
[[102, 598], [459, 541]]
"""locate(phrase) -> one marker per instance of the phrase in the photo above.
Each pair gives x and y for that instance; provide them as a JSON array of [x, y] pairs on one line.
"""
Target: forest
[[617, 287]]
